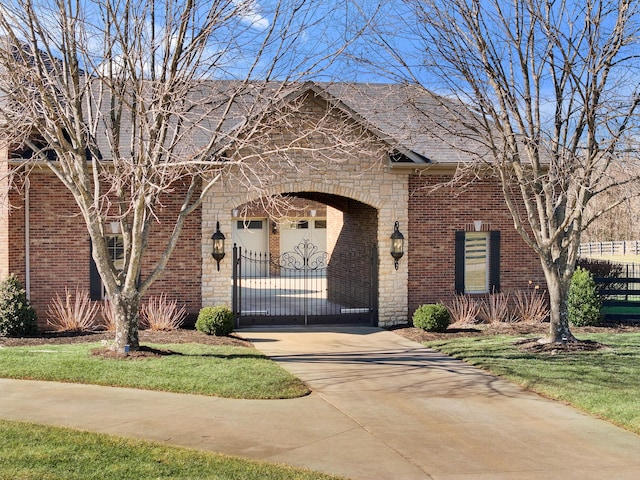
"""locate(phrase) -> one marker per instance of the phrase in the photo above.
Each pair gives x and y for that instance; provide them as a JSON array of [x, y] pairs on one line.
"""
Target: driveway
[[382, 407], [443, 418]]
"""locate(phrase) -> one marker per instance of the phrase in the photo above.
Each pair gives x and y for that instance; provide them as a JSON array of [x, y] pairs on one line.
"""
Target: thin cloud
[[249, 12]]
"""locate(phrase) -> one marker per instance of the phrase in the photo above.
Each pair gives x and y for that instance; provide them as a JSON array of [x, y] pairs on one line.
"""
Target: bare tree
[[125, 102], [543, 95], [619, 223]]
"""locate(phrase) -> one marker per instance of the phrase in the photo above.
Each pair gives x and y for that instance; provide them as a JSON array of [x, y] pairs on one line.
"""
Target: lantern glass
[[218, 245], [397, 244]]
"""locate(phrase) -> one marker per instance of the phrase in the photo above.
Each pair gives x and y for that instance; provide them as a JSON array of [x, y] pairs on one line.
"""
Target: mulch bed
[[145, 336], [528, 345], [412, 333]]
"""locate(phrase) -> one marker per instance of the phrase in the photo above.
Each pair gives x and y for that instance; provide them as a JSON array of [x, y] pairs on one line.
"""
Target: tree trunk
[[126, 308], [559, 330]]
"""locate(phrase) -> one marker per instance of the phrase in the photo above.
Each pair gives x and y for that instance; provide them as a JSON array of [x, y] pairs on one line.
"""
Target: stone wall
[[362, 175]]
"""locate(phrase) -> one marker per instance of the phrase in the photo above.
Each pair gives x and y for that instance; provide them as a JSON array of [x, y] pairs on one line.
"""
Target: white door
[[293, 233], [252, 236]]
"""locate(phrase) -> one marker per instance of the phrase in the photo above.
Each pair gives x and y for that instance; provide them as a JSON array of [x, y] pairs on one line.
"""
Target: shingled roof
[[422, 128]]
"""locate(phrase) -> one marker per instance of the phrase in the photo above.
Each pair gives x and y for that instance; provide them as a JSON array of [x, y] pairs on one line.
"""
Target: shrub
[[464, 310], [161, 314], [584, 303], [216, 320], [17, 318], [78, 315], [432, 317]]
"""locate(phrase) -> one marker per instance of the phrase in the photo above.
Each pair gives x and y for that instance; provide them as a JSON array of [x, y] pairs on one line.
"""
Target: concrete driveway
[[383, 407], [426, 415]]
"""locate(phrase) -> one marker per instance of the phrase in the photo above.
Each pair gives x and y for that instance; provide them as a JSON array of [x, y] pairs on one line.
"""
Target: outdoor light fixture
[[115, 227], [218, 245], [397, 245]]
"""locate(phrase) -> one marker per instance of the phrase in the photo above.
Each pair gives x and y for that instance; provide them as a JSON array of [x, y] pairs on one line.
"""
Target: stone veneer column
[[4, 213], [216, 285], [392, 283]]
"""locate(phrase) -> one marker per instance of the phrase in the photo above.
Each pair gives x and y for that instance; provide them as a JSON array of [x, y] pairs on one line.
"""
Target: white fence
[[629, 247]]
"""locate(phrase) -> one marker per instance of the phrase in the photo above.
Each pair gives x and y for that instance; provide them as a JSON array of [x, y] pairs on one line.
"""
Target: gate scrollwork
[[305, 257]]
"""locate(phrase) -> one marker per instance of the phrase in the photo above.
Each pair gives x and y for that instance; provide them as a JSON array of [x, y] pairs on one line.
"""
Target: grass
[[603, 383], [37, 452], [232, 372], [621, 309], [617, 258]]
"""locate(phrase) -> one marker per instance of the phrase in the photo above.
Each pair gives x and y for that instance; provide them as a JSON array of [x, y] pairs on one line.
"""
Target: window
[[115, 247], [295, 225], [477, 262], [249, 224], [320, 224]]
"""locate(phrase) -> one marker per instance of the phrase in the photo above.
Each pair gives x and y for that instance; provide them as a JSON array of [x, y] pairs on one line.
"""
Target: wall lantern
[[115, 227], [218, 245], [397, 245]]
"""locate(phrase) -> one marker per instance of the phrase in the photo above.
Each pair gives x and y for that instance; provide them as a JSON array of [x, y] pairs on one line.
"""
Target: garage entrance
[[304, 286]]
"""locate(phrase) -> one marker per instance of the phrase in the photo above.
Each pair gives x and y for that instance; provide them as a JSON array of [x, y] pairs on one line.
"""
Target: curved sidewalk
[[383, 407]]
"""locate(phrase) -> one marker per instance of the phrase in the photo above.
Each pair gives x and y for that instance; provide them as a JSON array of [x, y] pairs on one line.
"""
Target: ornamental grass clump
[[17, 317], [73, 313], [216, 320], [495, 308], [531, 306], [432, 317], [464, 310], [160, 314]]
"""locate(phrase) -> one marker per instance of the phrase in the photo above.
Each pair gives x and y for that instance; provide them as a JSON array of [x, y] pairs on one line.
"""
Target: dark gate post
[[235, 291], [373, 287]]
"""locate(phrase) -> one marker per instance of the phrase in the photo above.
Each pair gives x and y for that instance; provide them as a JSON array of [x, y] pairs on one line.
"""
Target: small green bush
[[584, 303], [432, 317], [215, 320], [17, 318]]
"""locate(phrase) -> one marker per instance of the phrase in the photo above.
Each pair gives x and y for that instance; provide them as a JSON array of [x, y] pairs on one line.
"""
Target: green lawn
[[621, 309], [617, 258], [36, 452], [224, 371], [605, 383]]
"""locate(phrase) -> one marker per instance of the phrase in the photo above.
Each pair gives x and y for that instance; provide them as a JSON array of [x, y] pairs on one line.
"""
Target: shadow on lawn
[[150, 352]]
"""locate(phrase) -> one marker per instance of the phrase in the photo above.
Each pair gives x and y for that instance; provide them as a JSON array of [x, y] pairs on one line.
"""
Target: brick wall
[[60, 249], [12, 224], [435, 215], [349, 272]]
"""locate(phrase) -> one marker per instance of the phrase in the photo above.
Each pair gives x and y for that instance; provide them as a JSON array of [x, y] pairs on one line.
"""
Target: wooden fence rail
[[628, 247]]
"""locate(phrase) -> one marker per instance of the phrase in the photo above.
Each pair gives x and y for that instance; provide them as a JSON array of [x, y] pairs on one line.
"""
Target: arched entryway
[[313, 263]]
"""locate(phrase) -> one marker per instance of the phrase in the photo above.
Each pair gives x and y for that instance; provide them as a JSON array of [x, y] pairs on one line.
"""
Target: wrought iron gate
[[305, 287]]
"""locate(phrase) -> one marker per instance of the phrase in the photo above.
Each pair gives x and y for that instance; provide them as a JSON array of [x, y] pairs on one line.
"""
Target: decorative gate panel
[[304, 287]]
